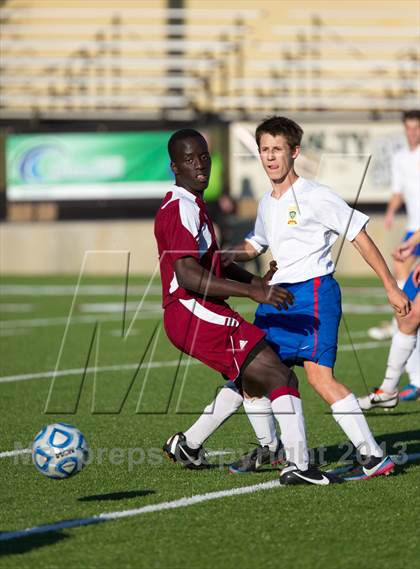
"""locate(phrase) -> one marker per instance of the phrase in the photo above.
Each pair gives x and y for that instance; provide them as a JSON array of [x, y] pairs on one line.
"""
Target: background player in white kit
[[300, 220], [406, 190], [404, 343], [405, 170]]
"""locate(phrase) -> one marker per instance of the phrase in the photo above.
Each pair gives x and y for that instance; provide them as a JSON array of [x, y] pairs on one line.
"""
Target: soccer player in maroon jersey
[[200, 323]]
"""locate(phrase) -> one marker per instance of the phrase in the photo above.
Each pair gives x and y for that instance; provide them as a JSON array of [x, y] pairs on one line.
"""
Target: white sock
[[350, 417], [261, 417], [227, 402], [413, 364], [394, 325], [287, 409], [401, 349]]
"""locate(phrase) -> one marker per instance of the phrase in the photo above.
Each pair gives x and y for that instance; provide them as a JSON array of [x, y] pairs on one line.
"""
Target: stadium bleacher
[[71, 66], [150, 60]]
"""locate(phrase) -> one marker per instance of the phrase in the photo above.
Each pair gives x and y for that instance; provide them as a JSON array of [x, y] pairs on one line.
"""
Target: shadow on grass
[[405, 445], [401, 443], [376, 414], [381, 413], [27, 544], [114, 496]]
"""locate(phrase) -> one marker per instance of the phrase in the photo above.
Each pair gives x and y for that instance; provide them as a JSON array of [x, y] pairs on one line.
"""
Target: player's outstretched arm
[[371, 254], [394, 204], [237, 273], [242, 253], [192, 276]]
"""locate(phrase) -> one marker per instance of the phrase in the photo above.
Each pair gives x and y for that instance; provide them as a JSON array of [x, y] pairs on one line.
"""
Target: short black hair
[[411, 115], [179, 135], [291, 131]]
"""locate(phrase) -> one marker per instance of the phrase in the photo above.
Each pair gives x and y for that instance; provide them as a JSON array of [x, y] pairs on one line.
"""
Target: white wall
[[59, 248]]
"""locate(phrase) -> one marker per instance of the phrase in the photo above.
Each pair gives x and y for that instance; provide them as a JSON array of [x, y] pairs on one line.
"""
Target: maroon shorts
[[214, 334]]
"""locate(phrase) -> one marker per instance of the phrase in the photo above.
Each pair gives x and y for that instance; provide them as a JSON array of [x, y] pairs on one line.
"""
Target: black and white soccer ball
[[59, 450]]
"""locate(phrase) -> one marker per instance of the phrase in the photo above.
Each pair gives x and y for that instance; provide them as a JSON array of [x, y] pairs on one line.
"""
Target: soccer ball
[[59, 451]]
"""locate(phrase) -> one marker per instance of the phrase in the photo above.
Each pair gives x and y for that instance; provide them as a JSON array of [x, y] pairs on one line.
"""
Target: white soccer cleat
[[378, 398]]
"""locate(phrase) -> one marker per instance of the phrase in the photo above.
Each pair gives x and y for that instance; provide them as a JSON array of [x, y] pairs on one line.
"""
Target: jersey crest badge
[[292, 218]]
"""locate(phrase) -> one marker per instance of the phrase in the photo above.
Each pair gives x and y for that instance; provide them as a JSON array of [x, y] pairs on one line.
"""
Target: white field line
[[11, 289], [172, 505], [152, 314], [16, 307], [68, 290], [109, 516], [358, 308], [77, 371], [117, 307], [15, 332], [171, 363], [59, 320]]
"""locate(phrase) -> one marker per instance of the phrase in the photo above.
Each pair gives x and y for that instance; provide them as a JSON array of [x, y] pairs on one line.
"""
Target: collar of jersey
[[300, 182], [185, 193]]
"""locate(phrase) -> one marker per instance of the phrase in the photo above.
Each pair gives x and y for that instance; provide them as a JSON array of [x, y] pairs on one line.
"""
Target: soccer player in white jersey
[[406, 190], [405, 174], [404, 342], [299, 220]]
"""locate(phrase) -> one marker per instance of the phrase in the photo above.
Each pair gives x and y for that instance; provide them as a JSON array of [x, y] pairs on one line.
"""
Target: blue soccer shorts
[[308, 330], [410, 289]]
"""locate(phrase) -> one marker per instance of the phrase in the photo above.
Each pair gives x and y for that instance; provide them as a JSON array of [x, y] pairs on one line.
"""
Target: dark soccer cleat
[[254, 460], [292, 475], [177, 450], [371, 466]]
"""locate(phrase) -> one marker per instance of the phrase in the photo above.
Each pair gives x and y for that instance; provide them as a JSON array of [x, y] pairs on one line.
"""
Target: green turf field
[[371, 524]]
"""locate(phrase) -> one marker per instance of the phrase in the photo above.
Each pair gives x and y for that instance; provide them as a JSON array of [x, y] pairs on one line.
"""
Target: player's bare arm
[[395, 203], [242, 253], [371, 254], [235, 272], [192, 276]]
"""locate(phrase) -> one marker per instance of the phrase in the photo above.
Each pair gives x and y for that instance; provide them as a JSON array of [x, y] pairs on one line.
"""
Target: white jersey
[[301, 227], [406, 181]]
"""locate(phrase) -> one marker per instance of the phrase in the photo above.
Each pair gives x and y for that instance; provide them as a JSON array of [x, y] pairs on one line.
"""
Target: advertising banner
[[90, 166]]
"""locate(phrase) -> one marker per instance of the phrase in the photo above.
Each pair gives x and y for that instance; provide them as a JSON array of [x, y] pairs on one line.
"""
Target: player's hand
[[416, 275], [227, 258], [270, 273], [275, 295], [399, 301], [403, 251]]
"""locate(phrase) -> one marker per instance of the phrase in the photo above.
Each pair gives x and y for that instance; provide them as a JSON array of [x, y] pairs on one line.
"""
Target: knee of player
[[316, 375], [410, 323], [313, 378]]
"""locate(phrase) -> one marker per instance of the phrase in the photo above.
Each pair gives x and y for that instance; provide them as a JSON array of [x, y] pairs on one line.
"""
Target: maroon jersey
[[205, 328], [184, 229]]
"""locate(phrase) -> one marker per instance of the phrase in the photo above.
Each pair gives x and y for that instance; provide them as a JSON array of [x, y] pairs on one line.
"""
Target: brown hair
[[411, 115], [291, 131]]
